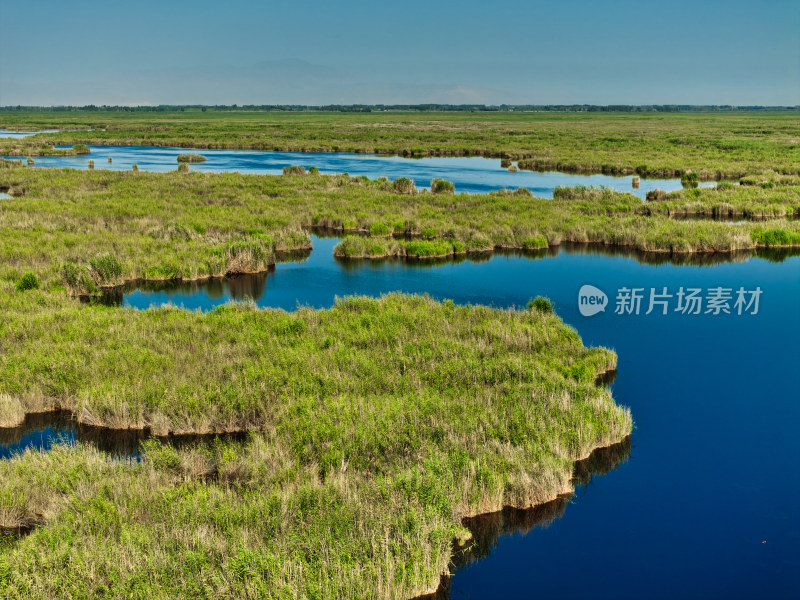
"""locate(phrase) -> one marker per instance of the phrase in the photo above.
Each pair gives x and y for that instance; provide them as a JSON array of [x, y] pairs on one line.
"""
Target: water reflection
[[237, 287], [489, 529], [321, 274], [42, 431]]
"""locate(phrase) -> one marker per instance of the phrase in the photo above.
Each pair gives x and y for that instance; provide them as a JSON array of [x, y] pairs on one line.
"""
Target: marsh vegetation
[[712, 145], [373, 427], [196, 225], [191, 158], [381, 423]]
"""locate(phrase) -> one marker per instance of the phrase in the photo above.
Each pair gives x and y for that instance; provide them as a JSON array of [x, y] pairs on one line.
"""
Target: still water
[[705, 505], [472, 175], [5, 133]]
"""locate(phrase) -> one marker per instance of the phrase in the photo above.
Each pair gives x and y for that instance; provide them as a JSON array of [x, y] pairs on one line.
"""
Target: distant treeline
[[672, 108]]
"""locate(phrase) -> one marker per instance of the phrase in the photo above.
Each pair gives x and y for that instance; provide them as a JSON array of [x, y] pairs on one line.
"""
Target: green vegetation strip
[[84, 229], [711, 145], [382, 422]]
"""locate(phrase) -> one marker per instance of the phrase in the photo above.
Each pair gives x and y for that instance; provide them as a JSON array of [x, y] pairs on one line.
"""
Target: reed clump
[[248, 257], [12, 414], [404, 185], [656, 194], [28, 281], [294, 170], [191, 158], [442, 186]]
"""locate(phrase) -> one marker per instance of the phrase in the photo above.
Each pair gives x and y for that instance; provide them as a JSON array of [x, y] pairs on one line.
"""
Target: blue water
[[706, 506], [472, 175], [5, 133], [39, 438]]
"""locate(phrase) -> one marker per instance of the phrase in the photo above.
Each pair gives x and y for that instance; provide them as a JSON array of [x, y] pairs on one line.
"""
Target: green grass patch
[[380, 424], [776, 237], [28, 281]]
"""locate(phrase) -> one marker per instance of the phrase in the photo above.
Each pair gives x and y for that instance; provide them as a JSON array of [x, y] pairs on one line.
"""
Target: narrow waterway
[[472, 175]]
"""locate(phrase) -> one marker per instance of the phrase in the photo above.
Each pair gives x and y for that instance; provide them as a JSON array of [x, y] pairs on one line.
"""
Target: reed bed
[[380, 424], [193, 225]]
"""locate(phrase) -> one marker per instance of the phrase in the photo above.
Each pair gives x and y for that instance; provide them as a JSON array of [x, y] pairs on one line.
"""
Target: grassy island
[[380, 424]]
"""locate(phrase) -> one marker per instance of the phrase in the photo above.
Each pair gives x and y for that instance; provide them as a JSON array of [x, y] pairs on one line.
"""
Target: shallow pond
[[473, 175], [706, 504]]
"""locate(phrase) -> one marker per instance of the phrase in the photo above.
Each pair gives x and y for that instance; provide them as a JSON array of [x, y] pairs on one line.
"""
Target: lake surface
[[472, 175], [706, 503]]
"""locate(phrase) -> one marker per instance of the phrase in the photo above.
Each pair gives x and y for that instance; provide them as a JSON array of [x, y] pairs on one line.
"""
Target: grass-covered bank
[[381, 424], [27, 147], [230, 369], [84, 229], [712, 145]]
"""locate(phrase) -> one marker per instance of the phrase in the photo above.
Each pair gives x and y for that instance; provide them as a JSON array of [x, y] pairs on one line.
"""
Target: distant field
[[726, 145]]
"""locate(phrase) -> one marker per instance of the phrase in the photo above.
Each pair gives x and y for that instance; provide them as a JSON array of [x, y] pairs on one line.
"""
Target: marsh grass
[[28, 281], [371, 247], [162, 225], [191, 158], [382, 423], [776, 237], [294, 170], [12, 413], [442, 186], [713, 145], [404, 185], [541, 304]]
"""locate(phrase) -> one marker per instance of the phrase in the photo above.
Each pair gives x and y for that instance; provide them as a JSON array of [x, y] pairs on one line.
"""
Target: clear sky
[[408, 51]]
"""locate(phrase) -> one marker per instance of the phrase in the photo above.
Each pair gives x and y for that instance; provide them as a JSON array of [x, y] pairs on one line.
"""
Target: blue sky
[[145, 52]]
